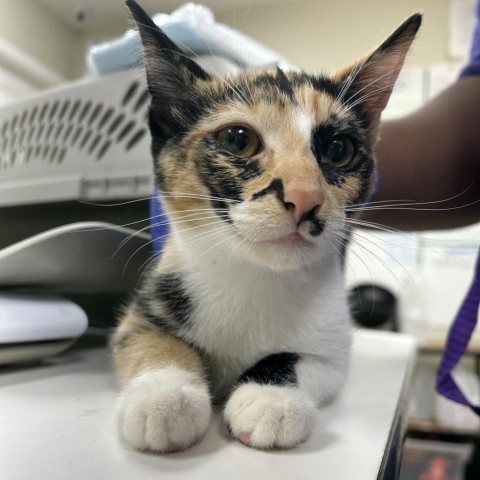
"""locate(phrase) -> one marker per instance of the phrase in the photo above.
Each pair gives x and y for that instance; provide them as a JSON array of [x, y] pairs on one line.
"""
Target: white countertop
[[56, 422]]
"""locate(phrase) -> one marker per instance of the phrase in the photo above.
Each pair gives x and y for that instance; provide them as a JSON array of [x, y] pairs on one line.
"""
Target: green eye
[[340, 151], [239, 141]]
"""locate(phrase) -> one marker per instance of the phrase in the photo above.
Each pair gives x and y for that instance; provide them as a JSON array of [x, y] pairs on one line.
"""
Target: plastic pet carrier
[[85, 141]]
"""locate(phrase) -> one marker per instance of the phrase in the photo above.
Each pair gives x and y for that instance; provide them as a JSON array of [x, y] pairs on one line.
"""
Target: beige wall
[[33, 29], [314, 34], [327, 34]]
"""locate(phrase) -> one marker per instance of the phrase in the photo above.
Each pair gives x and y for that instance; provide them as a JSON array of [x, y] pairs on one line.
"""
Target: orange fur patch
[[138, 346]]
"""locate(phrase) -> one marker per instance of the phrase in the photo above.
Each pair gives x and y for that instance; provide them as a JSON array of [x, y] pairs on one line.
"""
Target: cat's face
[[275, 158], [265, 164]]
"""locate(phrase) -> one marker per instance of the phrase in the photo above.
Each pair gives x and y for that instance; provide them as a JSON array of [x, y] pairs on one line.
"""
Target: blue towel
[[194, 29]]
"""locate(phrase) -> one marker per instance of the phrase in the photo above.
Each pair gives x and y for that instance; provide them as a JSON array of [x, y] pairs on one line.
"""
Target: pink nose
[[302, 201]]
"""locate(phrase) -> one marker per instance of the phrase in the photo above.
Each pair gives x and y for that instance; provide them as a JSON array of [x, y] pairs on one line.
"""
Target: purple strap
[[473, 65], [457, 343], [464, 325]]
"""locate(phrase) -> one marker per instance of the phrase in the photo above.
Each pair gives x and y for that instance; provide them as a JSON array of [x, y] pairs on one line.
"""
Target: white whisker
[[151, 241], [408, 203], [396, 207], [396, 69], [85, 202], [167, 194]]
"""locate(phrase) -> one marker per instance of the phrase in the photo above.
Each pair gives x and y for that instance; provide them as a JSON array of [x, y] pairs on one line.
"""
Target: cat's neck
[[224, 269]]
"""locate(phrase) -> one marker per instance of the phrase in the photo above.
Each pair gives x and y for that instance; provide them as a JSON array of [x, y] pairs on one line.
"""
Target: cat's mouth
[[294, 239], [284, 250]]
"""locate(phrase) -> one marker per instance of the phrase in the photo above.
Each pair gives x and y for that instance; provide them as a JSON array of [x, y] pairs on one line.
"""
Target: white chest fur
[[244, 312]]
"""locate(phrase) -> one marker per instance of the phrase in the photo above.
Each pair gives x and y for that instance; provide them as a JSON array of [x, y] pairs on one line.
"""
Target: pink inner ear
[[382, 81], [373, 81]]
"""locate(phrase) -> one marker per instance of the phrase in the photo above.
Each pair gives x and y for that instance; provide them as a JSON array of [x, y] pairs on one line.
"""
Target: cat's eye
[[340, 151], [239, 141]]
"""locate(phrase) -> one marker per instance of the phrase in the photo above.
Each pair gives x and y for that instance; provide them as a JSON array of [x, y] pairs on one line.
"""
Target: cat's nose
[[302, 201]]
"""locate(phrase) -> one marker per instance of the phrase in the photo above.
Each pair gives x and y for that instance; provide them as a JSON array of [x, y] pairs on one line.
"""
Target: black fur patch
[[316, 225], [276, 369], [220, 182], [157, 143], [217, 175], [364, 172], [283, 84], [169, 291], [247, 169], [321, 135], [360, 167], [326, 85], [411, 23], [171, 77], [166, 130], [278, 82], [276, 186], [221, 208], [317, 228], [145, 309]]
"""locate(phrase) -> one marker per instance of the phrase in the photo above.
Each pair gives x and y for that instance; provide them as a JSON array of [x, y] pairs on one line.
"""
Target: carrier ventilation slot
[[47, 131]]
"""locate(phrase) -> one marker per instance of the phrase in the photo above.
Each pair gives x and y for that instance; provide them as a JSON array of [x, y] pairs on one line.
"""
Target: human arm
[[430, 156]]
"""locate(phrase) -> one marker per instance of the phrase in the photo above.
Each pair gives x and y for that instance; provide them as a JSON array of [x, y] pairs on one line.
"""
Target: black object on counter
[[373, 307]]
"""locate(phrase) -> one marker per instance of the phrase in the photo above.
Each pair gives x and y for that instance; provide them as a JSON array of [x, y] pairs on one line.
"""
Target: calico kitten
[[247, 303]]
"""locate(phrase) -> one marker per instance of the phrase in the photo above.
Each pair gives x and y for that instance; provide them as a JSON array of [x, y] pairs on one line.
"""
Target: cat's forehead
[[273, 99]]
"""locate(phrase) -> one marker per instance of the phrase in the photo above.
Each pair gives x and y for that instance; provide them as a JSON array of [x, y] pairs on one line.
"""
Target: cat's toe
[[268, 416], [164, 411], [245, 438]]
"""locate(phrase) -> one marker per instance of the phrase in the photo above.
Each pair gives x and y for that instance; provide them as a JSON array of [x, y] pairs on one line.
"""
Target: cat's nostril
[[301, 201]]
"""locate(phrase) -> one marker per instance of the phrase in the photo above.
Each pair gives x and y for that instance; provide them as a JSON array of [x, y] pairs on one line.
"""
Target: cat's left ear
[[171, 75], [368, 84]]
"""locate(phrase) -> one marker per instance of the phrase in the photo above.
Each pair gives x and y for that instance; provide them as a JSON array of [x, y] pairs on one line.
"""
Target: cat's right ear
[[367, 85], [171, 75]]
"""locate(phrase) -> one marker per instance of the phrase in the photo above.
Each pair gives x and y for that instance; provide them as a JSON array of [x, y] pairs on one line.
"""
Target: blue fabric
[[158, 223], [473, 65]]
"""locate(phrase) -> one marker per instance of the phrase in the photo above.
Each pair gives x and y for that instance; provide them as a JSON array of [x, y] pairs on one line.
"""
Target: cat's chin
[[283, 254], [291, 241]]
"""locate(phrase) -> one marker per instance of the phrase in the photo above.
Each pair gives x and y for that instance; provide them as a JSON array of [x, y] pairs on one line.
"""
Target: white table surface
[[56, 422]]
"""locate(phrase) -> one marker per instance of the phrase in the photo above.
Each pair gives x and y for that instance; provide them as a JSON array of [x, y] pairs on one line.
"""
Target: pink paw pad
[[245, 438]]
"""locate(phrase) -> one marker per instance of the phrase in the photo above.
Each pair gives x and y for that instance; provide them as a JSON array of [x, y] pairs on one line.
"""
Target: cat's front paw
[[268, 416], [164, 410]]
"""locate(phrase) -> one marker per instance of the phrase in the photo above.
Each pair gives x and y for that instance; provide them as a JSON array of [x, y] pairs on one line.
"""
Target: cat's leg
[[165, 403], [274, 402]]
